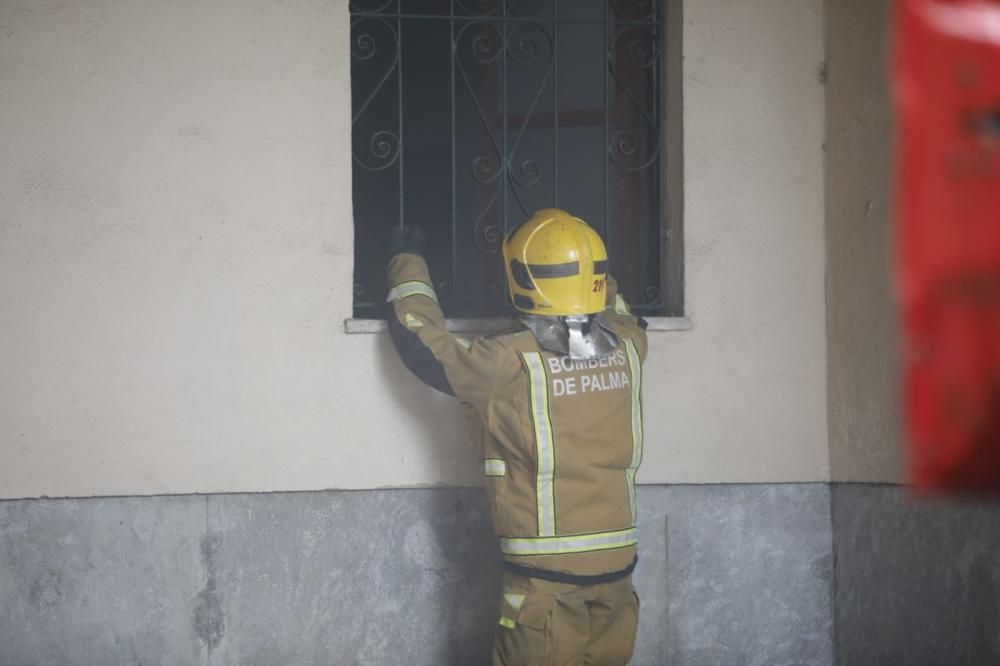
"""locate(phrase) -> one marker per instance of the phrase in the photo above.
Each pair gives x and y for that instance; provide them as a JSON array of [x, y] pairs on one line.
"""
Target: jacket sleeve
[[465, 368], [620, 315]]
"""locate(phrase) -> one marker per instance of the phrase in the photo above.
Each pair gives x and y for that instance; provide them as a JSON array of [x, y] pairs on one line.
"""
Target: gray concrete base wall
[[727, 575], [917, 580]]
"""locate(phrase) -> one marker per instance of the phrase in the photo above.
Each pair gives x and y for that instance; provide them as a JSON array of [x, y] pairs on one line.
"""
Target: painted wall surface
[[176, 258], [861, 319]]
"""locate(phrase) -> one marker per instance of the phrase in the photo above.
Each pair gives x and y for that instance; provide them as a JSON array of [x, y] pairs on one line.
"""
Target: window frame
[[672, 257]]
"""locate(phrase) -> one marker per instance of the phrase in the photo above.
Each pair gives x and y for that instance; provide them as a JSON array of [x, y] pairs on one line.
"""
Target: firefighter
[[559, 425]]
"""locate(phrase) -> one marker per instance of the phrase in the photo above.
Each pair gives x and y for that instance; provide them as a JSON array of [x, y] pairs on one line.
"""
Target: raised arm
[[620, 315], [465, 368]]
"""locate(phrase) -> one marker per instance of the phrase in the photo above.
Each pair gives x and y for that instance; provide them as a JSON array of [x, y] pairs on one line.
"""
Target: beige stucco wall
[[863, 383], [176, 258]]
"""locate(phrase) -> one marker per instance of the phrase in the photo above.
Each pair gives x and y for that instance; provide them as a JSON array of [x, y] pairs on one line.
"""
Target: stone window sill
[[486, 326]]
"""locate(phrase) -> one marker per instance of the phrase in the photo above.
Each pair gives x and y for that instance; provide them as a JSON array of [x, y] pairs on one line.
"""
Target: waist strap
[[572, 579]]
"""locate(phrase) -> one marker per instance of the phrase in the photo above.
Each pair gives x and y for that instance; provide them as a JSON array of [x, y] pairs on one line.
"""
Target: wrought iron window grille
[[469, 115]]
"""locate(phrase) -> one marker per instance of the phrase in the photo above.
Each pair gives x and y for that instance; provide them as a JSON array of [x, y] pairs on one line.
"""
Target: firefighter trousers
[[544, 623]]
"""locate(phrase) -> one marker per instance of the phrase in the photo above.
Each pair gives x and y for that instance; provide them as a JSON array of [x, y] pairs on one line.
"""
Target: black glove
[[406, 239]]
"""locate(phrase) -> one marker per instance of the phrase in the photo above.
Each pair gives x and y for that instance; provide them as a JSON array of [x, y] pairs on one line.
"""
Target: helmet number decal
[[598, 285]]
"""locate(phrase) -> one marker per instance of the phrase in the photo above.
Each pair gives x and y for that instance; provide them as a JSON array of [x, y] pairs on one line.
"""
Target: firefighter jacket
[[561, 440]]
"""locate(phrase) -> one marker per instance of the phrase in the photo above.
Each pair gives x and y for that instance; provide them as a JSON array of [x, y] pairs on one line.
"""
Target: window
[[468, 115]]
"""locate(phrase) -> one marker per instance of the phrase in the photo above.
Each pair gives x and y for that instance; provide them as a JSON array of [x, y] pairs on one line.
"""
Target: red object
[[947, 95]]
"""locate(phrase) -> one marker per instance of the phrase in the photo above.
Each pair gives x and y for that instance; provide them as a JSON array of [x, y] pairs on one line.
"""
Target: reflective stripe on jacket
[[561, 439]]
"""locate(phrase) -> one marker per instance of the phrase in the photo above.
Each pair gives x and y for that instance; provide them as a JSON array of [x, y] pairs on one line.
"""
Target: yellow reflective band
[[545, 454], [495, 467], [515, 600], [507, 622], [580, 543], [412, 322], [621, 307], [465, 342], [411, 288], [636, 368]]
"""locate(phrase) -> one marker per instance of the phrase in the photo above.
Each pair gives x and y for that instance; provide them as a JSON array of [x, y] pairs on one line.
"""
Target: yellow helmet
[[556, 265]]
